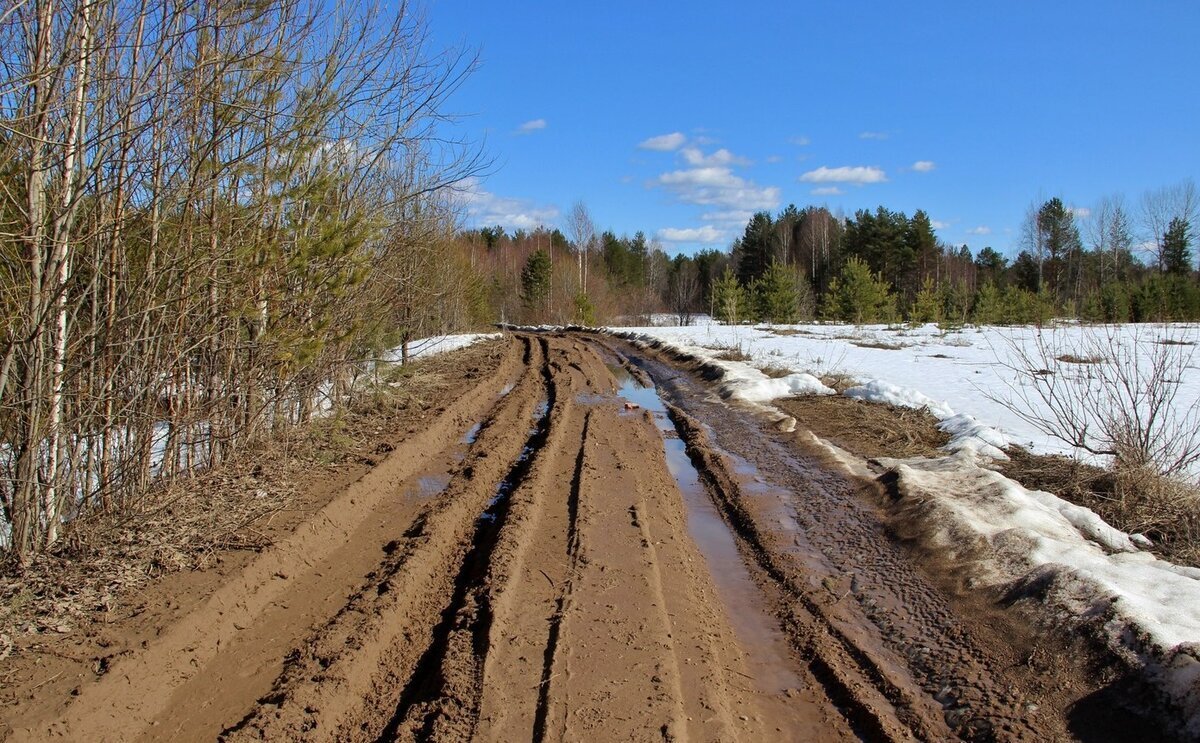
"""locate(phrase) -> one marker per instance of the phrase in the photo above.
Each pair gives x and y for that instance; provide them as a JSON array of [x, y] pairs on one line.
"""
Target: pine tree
[[1177, 252], [927, 307], [777, 298], [859, 296], [729, 299], [989, 306], [756, 248], [535, 280]]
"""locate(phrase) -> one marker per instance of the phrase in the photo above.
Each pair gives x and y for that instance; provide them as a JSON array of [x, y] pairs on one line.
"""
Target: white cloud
[[873, 135], [664, 142], [774, 159], [732, 217], [982, 229], [800, 141], [529, 127], [1081, 212], [856, 174], [827, 191], [718, 186], [938, 224], [696, 158], [923, 166], [486, 209], [706, 234]]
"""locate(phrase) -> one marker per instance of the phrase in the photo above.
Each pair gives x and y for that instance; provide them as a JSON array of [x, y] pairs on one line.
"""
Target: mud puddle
[[760, 636], [434, 479], [778, 506]]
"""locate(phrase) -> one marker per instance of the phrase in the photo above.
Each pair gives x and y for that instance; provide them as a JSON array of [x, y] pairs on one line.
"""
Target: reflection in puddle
[[471, 434], [759, 634], [428, 485]]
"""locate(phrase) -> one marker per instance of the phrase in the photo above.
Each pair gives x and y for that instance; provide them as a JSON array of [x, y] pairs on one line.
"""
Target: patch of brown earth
[[310, 472], [867, 429]]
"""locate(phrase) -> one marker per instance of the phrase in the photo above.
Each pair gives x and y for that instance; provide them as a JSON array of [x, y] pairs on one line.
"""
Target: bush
[[1122, 407]]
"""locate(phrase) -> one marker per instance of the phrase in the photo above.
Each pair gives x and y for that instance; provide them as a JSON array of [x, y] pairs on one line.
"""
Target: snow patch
[[1091, 576]]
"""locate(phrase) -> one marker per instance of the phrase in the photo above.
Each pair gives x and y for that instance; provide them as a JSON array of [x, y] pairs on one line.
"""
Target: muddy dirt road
[[589, 546]]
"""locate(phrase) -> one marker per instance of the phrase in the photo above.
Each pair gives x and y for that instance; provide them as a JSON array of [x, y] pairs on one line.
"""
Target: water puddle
[[778, 508], [498, 503], [471, 434], [759, 635]]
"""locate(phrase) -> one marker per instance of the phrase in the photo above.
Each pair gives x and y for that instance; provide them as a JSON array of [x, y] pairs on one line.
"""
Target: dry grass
[[1070, 358], [1135, 500], [729, 352], [241, 505], [838, 381], [867, 429], [776, 372], [882, 345], [785, 332]]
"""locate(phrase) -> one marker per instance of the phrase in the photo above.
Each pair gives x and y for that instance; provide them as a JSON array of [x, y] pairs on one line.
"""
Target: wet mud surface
[[589, 546]]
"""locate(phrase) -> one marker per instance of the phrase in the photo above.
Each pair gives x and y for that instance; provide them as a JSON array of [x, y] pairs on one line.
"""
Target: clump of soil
[[1134, 500], [241, 506], [867, 429]]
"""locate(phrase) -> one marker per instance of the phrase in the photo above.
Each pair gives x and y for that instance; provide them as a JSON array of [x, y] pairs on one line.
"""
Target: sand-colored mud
[[541, 564]]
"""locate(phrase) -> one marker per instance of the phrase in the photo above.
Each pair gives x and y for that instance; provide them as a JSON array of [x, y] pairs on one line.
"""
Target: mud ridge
[[350, 671], [810, 624], [431, 698]]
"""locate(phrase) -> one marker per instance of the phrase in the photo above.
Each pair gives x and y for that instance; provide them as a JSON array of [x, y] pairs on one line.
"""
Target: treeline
[[884, 266], [1108, 263], [212, 215]]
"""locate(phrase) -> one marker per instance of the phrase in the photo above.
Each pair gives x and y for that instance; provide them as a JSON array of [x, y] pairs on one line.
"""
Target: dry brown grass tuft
[[776, 372], [867, 429], [784, 332], [1136, 500], [1070, 358], [729, 352], [838, 381], [882, 345]]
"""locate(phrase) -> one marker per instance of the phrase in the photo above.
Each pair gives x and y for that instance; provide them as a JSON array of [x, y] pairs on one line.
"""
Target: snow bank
[[1090, 575], [735, 379], [437, 344]]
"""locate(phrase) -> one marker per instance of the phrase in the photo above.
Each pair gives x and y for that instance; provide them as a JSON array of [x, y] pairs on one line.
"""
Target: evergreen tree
[[729, 299], [756, 248], [776, 295], [989, 306], [859, 296], [1177, 252], [535, 280], [927, 307]]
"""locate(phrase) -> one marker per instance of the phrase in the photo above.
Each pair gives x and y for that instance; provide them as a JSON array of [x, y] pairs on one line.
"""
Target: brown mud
[[587, 545]]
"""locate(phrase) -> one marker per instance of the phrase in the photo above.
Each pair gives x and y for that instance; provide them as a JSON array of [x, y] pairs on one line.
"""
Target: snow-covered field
[[967, 372], [1087, 574]]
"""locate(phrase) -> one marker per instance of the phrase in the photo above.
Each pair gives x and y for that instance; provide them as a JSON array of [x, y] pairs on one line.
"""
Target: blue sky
[[681, 119]]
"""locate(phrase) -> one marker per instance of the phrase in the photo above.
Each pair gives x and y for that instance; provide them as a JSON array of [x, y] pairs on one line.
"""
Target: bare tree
[[1110, 236], [1160, 206], [583, 235], [200, 196]]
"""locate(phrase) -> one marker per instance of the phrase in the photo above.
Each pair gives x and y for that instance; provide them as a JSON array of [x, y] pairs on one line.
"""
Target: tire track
[[345, 678]]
